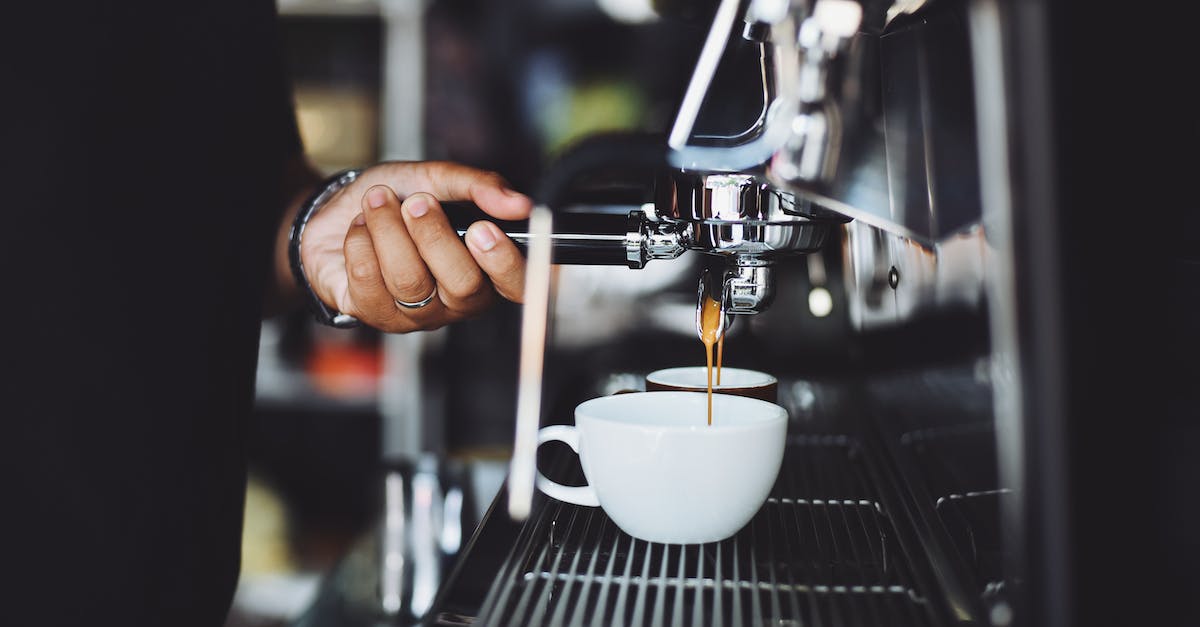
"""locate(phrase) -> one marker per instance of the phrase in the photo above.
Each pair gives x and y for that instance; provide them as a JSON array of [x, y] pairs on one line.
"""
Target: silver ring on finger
[[419, 304]]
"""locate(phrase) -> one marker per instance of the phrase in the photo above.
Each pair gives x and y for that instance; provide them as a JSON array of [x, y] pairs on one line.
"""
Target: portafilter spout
[[747, 222], [749, 285], [711, 295], [745, 286]]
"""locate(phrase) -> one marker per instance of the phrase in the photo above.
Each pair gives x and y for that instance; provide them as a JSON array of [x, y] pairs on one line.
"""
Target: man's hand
[[384, 240]]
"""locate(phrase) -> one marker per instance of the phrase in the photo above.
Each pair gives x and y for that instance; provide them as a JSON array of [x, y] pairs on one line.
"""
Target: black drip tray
[[821, 551], [958, 465]]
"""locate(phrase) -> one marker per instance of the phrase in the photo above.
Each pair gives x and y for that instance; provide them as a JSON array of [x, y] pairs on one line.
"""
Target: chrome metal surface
[[749, 286], [1012, 174], [758, 239], [812, 152], [832, 154], [749, 148], [888, 135], [392, 573], [741, 215], [641, 240], [702, 74], [427, 529], [665, 240], [820, 128], [421, 526], [726, 198], [891, 280], [822, 551], [395, 515]]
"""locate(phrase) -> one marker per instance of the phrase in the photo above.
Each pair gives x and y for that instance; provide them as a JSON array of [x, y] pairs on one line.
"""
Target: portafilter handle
[[596, 239]]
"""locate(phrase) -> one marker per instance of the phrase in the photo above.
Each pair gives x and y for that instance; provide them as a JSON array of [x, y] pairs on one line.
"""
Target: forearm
[[300, 179]]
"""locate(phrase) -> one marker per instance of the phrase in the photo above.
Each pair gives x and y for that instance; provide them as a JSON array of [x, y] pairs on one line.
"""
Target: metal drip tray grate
[[821, 551]]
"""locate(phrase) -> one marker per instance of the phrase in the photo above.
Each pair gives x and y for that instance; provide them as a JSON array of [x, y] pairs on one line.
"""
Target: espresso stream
[[710, 322]]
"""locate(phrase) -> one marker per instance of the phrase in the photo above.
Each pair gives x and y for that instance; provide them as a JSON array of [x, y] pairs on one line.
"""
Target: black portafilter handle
[[611, 169], [594, 239]]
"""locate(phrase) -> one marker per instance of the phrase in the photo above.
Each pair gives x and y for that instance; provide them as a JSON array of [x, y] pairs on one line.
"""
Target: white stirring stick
[[534, 323]]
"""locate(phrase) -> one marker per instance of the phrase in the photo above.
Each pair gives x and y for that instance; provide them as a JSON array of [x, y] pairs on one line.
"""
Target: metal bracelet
[[323, 313]]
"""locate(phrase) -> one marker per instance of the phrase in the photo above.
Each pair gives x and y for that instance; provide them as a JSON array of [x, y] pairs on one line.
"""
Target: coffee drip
[[710, 326]]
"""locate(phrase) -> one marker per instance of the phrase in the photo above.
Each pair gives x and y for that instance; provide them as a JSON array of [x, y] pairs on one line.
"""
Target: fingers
[[405, 273], [499, 258], [493, 251], [452, 181], [376, 241], [372, 302], [462, 287], [404, 251]]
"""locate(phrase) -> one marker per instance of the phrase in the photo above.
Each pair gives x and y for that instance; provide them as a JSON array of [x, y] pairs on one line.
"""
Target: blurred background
[[504, 85], [345, 418]]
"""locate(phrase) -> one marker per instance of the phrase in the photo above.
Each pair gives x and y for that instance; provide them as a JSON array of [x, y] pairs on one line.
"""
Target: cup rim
[[778, 412], [769, 379]]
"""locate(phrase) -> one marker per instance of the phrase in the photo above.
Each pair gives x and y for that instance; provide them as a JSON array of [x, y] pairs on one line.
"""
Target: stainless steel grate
[[821, 551]]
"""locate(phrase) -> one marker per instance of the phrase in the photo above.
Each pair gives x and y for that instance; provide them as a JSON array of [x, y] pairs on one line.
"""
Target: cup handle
[[578, 495]]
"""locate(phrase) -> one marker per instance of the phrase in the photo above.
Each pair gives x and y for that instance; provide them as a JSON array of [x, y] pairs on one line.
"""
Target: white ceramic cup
[[661, 473], [738, 381]]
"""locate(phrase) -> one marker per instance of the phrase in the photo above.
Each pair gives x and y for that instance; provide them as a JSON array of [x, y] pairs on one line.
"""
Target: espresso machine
[[896, 162]]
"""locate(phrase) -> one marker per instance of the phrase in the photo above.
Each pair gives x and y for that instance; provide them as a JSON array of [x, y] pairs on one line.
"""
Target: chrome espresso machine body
[[901, 164]]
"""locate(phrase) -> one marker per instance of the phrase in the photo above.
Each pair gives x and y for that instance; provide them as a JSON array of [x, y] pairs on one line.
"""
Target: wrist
[[325, 191]]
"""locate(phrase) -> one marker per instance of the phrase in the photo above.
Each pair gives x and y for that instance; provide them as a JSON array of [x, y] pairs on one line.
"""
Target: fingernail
[[360, 219], [511, 193], [376, 197], [416, 206], [483, 238]]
